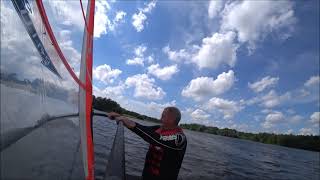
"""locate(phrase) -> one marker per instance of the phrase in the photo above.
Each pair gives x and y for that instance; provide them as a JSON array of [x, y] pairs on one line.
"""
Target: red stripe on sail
[[89, 51]]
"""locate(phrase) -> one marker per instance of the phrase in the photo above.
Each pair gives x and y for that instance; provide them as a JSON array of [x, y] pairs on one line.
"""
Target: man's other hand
[[113, 115]]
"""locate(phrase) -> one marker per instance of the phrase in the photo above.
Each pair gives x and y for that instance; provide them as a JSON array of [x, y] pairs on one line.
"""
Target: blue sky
[[248, 65], [229, 66]]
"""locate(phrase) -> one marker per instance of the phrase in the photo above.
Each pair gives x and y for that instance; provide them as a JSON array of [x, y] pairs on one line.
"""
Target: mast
[[85, 95]]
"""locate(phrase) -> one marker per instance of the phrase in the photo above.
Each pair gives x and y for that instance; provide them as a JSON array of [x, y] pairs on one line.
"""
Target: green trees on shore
[[289, 140]]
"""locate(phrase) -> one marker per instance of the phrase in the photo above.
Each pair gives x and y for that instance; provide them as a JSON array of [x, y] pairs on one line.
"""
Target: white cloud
[[254, 20], [101, 20], [139, 58], [139, 18], [177, 56], [120, 16], [263, 84], [217, 50], [139, 51], [270, 100], [117, 94], [306, 131], [313, 81], [159, 106], [199, 114], [164, 73], [315, 118], [150, 59], [228, 108], [102, 23], [214, 8], [290, 131], [152, 109], [206, 86], [148, 8], [135, 61], [295, 119], [112, 92], [105, 73], [145, 87], [272, 119]]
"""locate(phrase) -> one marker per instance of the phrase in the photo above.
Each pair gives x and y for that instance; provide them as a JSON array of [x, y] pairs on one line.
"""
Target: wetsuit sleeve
[[174, 142]]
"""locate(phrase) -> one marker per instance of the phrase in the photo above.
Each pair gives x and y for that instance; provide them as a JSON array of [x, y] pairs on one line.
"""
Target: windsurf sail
[[45, 105]]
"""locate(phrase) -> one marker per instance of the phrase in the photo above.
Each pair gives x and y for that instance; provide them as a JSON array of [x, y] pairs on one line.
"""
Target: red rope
[[55, 43], [89, 56], [84, 17]]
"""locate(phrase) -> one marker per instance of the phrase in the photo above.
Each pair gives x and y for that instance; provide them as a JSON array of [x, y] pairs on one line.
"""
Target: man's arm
[[174, 142]]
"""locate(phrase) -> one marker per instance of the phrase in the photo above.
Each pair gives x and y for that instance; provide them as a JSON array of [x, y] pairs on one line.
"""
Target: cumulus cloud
[[313, 81], [136, 61], [217, 50], [117, 93], [138, 19], [140, 57], [242, 22], [295, 119], [228, 108], [270, 100], [152, 109], [215, 6], [105, 73], [164, 73], [102, 23], [112, 92], [272, 119], [101, 20], [315, 118], [177, 56], [120, 16], [202, 87], [306, 131], [254, 20], [144, 87], [199, 114], [263, 84]]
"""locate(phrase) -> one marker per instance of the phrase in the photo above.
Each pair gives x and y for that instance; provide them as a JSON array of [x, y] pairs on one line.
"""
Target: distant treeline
[[295, 141], [289, 140], [108, 105]]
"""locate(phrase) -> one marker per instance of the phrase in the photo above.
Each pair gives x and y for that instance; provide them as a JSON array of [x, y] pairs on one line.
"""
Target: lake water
[[52, 152], [213, 157]]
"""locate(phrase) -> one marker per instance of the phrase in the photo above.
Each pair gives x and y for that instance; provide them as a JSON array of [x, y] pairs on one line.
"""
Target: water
[[214, 157]]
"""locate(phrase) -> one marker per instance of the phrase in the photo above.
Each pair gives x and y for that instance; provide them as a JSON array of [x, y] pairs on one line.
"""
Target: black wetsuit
[[165, 154]]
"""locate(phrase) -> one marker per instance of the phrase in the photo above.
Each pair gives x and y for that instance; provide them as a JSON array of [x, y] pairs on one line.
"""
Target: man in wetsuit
[[167, 144]]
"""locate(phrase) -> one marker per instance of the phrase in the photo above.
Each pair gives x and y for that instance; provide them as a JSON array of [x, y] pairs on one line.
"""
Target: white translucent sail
[[42, 135]]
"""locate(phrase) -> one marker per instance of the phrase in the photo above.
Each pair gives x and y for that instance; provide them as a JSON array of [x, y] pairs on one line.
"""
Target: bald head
[[171, 116]]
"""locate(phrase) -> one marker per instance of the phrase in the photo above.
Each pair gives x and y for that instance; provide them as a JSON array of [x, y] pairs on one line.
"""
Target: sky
[[247, 65]]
